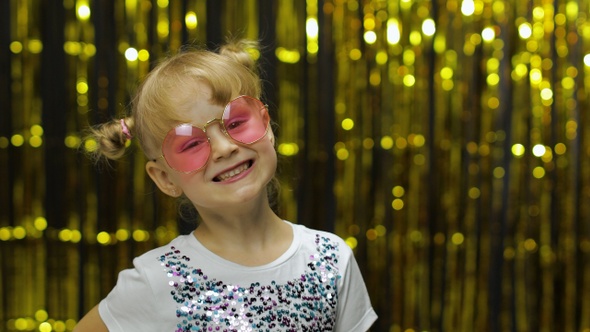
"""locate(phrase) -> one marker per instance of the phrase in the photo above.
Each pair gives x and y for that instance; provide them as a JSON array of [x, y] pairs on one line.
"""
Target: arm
[[91, 322]]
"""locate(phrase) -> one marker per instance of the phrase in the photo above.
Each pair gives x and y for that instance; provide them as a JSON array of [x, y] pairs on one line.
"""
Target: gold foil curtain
[[446, 141]]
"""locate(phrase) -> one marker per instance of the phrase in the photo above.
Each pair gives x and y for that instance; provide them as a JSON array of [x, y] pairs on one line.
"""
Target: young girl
[[207, 136]]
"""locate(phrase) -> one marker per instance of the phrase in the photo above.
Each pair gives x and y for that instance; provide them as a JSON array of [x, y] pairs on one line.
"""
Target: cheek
[[187, 182], [273, 159], [269, 148], [267, 154]]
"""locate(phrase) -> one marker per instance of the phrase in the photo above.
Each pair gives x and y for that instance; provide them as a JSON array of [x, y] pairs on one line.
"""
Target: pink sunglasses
[[186, 148]]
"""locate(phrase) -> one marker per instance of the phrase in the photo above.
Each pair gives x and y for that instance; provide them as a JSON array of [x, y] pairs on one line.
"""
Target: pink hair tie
[[125, 130]]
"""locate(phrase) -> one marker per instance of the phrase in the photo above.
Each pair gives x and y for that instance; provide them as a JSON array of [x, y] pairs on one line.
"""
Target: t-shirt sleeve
[[354, 312], [130, 304]]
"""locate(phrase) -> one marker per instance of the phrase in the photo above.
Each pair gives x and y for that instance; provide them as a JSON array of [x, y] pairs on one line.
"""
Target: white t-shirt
[[315, 285]]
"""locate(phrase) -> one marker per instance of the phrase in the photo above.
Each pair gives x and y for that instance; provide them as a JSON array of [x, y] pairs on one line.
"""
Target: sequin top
[[315, 285]]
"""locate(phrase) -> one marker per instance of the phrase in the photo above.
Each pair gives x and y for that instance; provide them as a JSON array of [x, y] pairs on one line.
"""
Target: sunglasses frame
[[223, 130]]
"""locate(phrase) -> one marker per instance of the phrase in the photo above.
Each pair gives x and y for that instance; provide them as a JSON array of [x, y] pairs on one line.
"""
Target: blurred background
[[447, 142]]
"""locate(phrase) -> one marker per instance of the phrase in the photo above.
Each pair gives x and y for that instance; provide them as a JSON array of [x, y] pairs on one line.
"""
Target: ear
[[162, 179]]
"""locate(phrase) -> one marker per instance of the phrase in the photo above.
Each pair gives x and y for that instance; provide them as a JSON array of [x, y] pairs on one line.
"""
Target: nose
[[221, 145]]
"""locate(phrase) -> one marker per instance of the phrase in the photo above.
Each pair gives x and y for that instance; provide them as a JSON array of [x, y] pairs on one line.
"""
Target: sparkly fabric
[[315, 285], [306, 303]]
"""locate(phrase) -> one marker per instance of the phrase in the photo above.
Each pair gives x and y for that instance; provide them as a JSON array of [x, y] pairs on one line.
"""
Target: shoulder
[[152, 259], [324, 243], [181, 241], [318, 236], [139, 297], [148, 277]]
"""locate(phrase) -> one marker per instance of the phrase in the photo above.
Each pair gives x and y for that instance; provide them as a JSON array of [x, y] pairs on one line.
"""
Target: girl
[[208, 139]]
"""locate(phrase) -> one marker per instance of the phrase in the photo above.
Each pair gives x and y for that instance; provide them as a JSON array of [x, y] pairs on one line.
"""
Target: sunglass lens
[[186, 148], [246, 119]]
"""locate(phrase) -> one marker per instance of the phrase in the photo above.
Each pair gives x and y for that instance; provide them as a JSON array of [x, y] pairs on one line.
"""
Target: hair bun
[[239, 50]]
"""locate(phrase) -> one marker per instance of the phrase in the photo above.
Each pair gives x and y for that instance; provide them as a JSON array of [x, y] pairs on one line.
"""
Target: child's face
[[235, 172]]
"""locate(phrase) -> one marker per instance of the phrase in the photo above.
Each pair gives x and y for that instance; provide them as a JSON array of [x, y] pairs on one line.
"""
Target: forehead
[[200, 108], [203, 110]]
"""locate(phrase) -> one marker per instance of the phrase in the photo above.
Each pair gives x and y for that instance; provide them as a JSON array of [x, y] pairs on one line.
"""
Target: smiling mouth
[[232, 173]]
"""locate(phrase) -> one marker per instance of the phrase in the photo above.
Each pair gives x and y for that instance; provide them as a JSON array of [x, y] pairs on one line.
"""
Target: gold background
[[446, 141]]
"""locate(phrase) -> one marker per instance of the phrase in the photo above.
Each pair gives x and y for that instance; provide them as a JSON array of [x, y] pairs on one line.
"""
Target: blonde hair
[[167, 93], [170, 88]]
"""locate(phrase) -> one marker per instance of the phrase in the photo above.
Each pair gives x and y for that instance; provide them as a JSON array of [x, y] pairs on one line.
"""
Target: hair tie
[[125, 129]]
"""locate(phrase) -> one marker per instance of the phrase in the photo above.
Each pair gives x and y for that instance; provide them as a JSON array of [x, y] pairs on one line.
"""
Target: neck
[[250, 236], [246, 223], [242, 222]]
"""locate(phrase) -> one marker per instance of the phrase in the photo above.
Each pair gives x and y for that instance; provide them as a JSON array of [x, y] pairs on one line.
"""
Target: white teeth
[[234, 172]]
